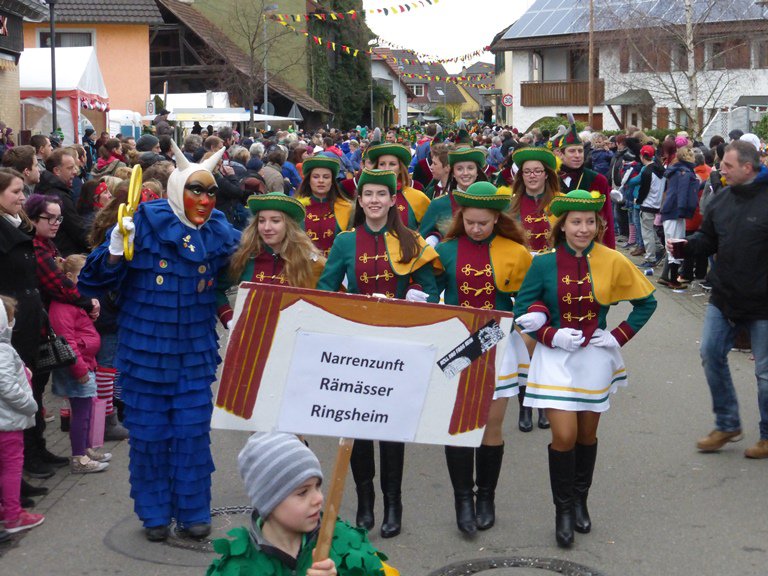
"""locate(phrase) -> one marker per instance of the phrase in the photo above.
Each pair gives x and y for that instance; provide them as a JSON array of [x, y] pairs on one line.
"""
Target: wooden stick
[[333, 502]]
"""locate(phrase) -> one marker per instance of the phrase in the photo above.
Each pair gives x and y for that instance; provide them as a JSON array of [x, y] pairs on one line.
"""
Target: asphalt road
[[658, 506]]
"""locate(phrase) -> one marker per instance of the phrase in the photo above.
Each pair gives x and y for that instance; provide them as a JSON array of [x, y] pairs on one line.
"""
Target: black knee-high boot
[[561, 474], [461, 468], [585, 467], [363, 470], [488, 464], [524, 422], [391, 474]]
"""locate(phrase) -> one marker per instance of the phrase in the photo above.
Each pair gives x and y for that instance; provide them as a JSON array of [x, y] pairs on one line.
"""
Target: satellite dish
[[268, 109]]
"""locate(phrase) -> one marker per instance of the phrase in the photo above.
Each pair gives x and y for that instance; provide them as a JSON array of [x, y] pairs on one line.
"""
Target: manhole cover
[[482, 565], [219, 527]]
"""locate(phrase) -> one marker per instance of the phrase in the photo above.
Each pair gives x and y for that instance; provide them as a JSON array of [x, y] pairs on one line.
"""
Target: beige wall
[[10, 111], [123, 53]]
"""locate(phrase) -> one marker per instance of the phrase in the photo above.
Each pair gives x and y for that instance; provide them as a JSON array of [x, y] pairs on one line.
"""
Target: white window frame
[[40, 31], [416, 88]]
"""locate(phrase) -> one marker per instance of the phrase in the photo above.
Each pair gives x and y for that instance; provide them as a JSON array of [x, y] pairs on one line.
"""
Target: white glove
[[116, 239], [604, 339], [432, 240], [414, 295], [568, 339], [531, 321], [230, 323]]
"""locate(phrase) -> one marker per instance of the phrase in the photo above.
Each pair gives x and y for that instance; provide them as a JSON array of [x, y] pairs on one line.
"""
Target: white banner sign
[[356, 387]]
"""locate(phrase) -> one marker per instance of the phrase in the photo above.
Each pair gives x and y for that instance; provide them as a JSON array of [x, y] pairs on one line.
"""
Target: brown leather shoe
[[759, 450], [717, 439], [637, 252]]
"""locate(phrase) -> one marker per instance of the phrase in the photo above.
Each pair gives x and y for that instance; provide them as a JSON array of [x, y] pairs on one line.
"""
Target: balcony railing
[[561, 93]]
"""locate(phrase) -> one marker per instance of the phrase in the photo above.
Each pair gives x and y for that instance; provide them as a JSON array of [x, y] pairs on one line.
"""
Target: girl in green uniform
[[577, 365], [485, 260], [380, 256]]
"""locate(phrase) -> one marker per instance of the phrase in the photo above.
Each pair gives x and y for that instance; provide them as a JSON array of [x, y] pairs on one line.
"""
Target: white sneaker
[[84, 465], [94, 454]]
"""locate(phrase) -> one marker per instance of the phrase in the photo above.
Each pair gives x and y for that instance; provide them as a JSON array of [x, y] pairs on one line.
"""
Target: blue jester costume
[[168, 350]]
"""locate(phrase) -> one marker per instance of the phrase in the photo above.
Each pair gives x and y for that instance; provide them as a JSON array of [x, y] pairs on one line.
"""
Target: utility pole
[[591, 64]]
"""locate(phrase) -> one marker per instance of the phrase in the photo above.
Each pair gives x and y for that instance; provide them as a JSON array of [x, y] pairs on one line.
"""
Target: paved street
[[658, 506]]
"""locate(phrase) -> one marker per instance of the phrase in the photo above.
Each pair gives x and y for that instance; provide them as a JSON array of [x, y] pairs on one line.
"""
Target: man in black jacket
[[735, 227], [61, 169]]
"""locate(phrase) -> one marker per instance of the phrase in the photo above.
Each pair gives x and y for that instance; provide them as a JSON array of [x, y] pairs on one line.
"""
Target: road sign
[[507, 100], [150, 107]]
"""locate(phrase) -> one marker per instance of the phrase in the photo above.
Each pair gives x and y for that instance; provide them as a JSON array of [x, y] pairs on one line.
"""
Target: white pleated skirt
[[576, 381], [514, 368]]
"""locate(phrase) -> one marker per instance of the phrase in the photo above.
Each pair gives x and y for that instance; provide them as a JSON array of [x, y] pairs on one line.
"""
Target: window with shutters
[[639, 60], [761, 54], [679, 57], [717, 58]]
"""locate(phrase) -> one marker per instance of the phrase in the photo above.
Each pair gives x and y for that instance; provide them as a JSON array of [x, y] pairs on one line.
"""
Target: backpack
[[691, 195]]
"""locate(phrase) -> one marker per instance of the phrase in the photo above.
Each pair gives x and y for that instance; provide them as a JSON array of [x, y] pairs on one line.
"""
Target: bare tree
[[684, 53], [251, 39]]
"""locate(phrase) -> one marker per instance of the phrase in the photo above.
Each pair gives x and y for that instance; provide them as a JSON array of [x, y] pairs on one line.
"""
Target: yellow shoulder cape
[[426, 255], [343, 210], [615, 278], [418, 201], [510, 262]]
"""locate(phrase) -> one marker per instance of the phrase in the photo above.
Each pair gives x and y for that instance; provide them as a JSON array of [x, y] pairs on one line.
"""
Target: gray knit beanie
[[274, 464]]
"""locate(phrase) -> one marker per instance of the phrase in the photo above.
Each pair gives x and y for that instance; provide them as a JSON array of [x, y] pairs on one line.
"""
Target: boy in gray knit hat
[[283, 477]]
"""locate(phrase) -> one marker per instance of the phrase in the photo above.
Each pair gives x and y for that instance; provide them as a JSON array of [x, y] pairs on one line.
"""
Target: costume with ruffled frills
[[167, 355], [351, 550]]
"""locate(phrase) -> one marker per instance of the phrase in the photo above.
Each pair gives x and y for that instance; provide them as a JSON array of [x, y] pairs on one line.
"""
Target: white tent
[[80, 89]]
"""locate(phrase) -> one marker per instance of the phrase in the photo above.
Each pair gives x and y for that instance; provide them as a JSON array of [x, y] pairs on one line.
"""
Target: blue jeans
[[716, 341]]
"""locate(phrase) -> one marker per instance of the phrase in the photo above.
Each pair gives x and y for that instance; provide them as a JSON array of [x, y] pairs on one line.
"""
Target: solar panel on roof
[[557, 17]]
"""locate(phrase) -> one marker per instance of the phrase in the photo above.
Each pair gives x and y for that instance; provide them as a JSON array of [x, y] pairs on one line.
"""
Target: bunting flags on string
[[333, 16], [428, 59], [393, 10]]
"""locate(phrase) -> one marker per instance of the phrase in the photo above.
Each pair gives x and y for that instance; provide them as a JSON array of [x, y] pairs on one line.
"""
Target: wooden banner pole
[[333, 501]]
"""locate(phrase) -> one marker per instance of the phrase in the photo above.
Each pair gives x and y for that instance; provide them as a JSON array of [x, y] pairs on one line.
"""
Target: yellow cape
[[615, 278], [342, 210], [510, 262], [426, 255], [418, 201]]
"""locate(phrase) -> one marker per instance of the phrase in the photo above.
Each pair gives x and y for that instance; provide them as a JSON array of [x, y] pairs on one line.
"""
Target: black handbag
[[54, 352]]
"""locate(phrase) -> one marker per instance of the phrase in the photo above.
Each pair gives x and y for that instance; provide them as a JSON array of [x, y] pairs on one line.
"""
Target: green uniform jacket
[[539, 293], [515, 271], [438, 218], [351, 550], [342, 259]]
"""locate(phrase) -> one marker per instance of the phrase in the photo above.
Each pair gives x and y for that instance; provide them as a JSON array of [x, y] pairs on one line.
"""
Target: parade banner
[[346, 365]]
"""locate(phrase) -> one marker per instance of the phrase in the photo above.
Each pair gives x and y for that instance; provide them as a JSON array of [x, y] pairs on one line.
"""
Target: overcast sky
[[448, 28]]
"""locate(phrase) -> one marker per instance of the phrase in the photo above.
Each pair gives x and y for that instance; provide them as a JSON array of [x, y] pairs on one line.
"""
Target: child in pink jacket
[[78, 382]]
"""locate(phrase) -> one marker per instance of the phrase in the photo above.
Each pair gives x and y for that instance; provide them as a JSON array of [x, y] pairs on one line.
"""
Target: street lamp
[[54, 120], [267, 10]]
